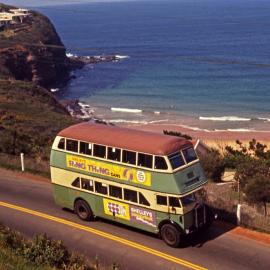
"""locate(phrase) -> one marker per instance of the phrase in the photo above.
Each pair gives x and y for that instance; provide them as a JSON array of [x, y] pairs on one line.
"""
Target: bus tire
[[83, 210], [170, 235]]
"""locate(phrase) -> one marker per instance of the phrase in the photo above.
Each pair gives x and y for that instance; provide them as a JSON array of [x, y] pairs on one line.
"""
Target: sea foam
[[224, 118], [117, 56], [128, 110]]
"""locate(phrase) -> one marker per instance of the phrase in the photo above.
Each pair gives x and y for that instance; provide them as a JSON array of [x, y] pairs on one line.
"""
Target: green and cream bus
[[142, 179]]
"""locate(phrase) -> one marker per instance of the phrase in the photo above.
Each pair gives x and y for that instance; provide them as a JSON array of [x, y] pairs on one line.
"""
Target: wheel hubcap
[[82, 211]]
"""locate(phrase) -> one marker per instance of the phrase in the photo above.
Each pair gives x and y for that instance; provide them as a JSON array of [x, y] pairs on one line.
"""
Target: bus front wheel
[[170, 235], [83, 210]]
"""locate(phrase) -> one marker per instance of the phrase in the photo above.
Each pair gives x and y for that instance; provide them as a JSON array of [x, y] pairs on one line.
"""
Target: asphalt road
[[130, 248]]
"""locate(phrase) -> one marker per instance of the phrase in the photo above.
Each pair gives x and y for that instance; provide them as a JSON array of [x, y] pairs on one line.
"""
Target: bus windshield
[[176, 160], [189, 154], [189, 199]]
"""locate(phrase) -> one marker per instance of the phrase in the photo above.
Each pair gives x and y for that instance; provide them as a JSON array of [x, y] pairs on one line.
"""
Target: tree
[[252, 166], [177, 134], [213, 165], [257, 190]]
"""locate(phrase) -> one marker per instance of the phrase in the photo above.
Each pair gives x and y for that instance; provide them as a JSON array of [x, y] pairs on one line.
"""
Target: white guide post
[[238, 214], [22, 161]]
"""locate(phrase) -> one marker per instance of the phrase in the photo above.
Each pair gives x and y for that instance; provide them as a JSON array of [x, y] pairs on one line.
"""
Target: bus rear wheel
[[170, 235], [83, 210]]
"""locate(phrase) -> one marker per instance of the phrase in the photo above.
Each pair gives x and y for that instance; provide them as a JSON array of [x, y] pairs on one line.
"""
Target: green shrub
[[177, 134], [13, 240], [213, 165], [45, 251]]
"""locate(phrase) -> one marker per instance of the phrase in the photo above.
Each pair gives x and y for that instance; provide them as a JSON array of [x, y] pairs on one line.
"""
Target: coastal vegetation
[[41, 253], [250, 185], [33, 51], [30, 117]]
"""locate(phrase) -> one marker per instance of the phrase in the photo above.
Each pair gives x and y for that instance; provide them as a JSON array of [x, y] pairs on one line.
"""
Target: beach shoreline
[[213, 139]]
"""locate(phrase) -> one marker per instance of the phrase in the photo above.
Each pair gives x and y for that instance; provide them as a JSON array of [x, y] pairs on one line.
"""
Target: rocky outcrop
[[33, 51]]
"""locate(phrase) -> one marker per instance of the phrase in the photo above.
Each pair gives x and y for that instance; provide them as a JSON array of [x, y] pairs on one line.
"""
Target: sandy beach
[[215, 139]]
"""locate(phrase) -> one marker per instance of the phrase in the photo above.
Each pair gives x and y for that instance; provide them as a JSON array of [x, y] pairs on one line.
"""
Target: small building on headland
[[20, 11], [5, 19], [13, 16]]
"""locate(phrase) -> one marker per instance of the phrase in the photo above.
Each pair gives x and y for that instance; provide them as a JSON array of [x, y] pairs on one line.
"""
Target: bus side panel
[[61, 196]]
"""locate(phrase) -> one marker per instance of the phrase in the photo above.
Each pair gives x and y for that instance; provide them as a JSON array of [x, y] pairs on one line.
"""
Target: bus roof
[[125, 138]]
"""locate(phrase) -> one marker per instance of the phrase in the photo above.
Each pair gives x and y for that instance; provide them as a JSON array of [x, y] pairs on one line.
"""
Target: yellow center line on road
[[105, 235]]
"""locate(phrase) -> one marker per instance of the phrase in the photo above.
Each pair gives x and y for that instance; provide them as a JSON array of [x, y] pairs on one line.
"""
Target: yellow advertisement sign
[[111, 170], [117, 209]]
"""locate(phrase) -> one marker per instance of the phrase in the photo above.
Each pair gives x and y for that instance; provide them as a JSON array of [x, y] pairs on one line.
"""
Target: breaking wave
[[224, 118], [121, 56], [71, 55], [136, 121], [128, 110]]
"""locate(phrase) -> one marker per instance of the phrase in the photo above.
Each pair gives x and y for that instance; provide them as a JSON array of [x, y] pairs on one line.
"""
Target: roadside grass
[[32, 165], [10, 261], [42, 253], [223, 199]]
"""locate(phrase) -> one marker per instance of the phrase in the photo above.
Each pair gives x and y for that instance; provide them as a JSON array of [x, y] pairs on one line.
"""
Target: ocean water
[[204, 64]]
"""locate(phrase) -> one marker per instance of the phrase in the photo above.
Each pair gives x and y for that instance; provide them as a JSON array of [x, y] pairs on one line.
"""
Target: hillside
[[31, 50], [30, 117]]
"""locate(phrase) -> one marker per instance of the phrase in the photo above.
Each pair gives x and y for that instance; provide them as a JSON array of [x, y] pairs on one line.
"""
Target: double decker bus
[[142, 179]]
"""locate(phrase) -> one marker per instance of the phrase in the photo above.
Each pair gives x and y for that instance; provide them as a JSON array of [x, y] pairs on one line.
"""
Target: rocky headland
[[32, 51]]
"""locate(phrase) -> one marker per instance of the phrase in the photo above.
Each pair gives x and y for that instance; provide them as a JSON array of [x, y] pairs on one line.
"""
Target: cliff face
[[33, 51]]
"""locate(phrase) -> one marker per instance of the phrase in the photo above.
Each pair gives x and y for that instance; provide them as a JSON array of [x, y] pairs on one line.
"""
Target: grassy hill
[[30, 117]]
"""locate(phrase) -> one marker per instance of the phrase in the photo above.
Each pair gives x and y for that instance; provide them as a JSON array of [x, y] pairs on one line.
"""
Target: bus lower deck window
[[115, 192], [101, 188], [145, 160], [160, 163], [99, 151], [114, 153], [130, 195], [143, 200], [129, 157], [61, 144], [162, 200], [87, 184], [174, 202], [72, 146], [76, 183], [85, 148]]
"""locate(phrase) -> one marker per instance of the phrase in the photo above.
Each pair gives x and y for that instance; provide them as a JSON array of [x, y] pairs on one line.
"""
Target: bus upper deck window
[[99, 151], [160, 163], [176, 160], [145, 160], [72, 146], [189, 154], [61, 144], [85, 148], [114, 153], [129, 157]]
